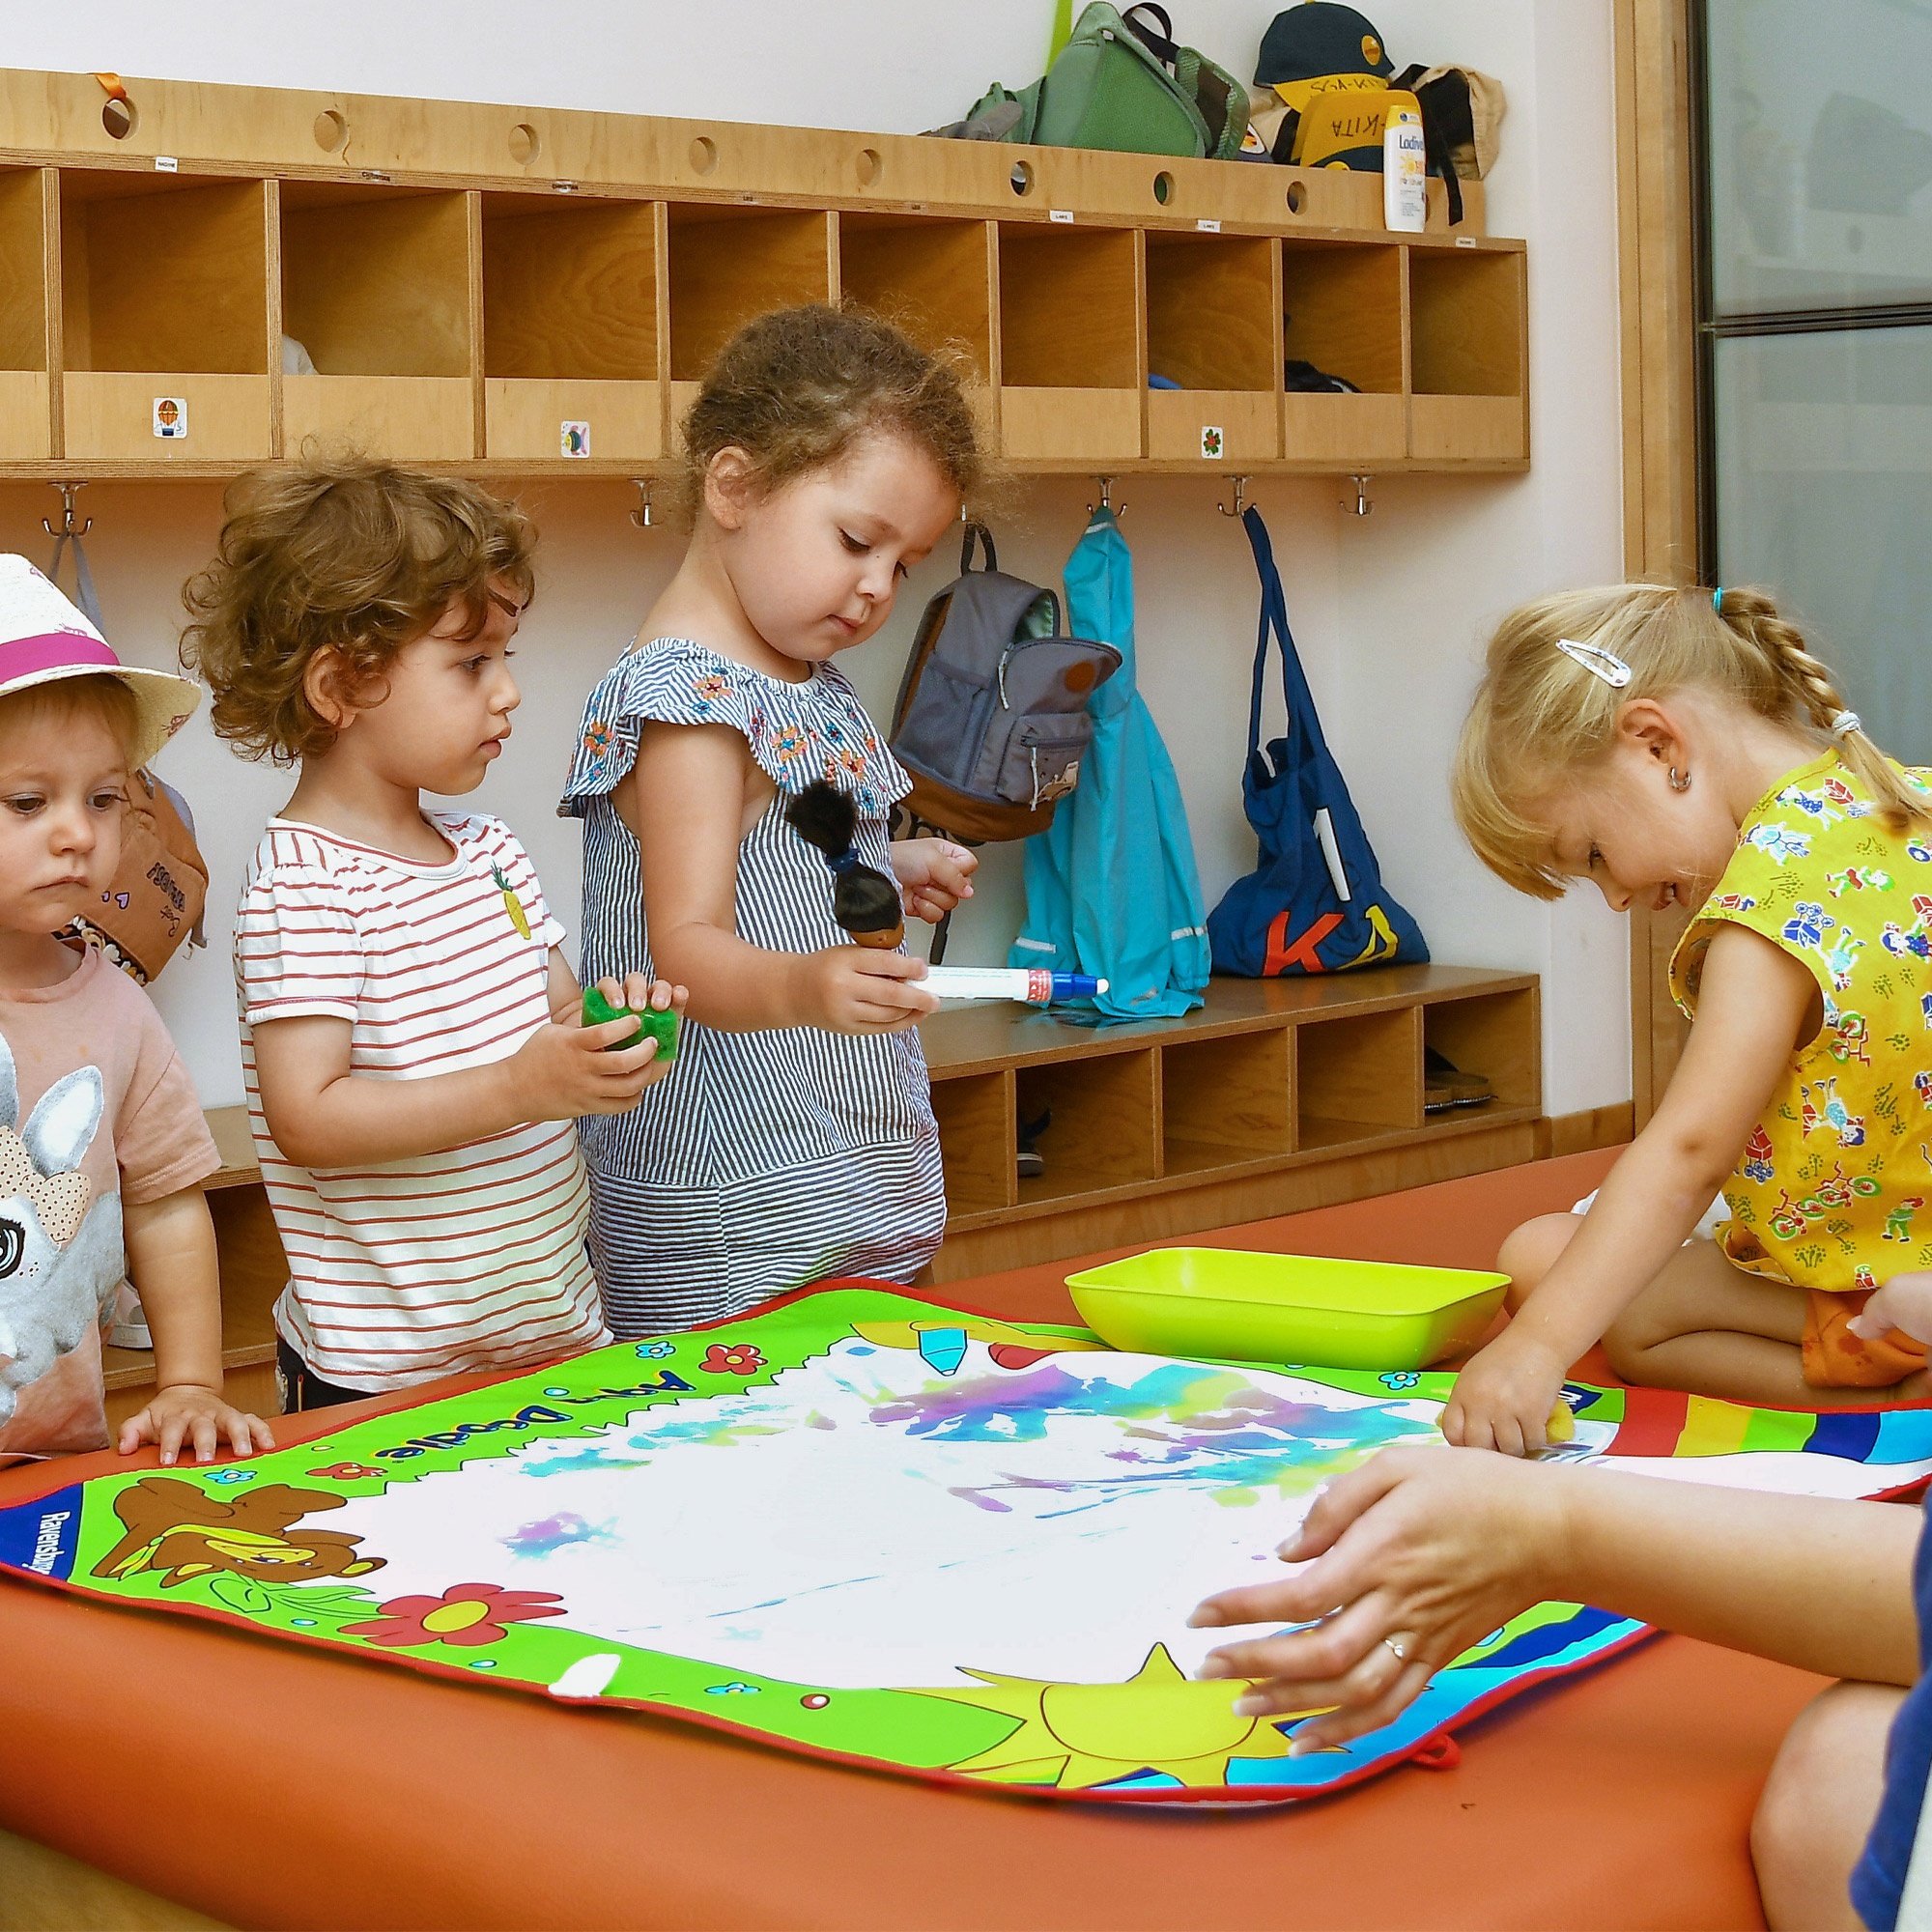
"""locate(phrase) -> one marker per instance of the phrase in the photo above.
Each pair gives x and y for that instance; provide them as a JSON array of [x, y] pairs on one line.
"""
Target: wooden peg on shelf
[[642, 515], [1240, 498], [1362, 506], [1106, 502]]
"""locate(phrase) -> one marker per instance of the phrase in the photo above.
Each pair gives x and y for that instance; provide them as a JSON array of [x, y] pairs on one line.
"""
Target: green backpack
[[1122, 85]]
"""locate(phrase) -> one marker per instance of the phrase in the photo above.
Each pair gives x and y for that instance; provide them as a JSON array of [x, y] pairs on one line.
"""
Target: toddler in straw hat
[[102, 1145]]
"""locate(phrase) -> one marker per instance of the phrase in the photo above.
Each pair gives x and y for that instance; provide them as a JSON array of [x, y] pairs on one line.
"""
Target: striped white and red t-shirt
[[468, 1258]]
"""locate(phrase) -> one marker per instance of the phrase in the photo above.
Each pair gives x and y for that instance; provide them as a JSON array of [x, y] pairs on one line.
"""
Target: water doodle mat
[[867, 1527]]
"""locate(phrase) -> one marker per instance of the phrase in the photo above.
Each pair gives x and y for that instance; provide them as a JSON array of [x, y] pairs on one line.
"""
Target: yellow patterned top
[[1840, 1162]]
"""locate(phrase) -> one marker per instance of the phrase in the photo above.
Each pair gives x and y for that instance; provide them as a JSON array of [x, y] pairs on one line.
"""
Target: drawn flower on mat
[[466, 1614], [231, 1476], [732, 1358], [656, 1352], [348, 1472], [1399, 1379]]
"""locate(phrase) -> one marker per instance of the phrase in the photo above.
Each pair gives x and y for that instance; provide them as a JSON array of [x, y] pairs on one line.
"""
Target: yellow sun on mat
[[1076, 1735]]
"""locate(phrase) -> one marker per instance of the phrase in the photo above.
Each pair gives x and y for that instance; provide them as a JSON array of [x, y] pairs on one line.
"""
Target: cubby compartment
[[570, 330], [934, 279], [164, 298], [1357, 1078], [1496, 1035], [1105, 1112], [1467, 349], [1225, 1101], [1212, 302], [977, 1141], [1073, 361], [729, 263], [378, 288], [26, 423], [1341, 309]]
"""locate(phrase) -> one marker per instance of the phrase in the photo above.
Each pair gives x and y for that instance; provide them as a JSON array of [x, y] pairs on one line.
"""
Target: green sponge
[[661, 1027]]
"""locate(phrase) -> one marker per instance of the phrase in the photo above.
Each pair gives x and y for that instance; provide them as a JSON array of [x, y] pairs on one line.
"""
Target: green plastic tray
[[1234, 1306]]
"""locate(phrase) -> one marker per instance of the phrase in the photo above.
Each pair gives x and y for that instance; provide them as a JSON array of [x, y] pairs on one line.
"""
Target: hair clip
[[1596, 661], [1845, 723], [1717, 600]]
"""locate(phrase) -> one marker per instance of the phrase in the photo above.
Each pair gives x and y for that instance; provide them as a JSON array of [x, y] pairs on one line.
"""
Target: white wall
[[1389, 611]]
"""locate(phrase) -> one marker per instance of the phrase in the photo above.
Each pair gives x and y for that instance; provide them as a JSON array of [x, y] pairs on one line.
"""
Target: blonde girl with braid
[[1686, 748]]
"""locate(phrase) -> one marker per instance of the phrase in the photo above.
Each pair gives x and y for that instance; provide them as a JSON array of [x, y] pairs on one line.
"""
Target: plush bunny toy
[[61, 1257]]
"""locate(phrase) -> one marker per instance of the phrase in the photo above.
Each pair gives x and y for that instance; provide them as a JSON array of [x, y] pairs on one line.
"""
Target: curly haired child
[[1686, 748], [825, 456], [410, 1031]]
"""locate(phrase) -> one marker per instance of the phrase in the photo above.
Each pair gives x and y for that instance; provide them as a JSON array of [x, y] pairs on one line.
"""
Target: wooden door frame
[[1657, 228]]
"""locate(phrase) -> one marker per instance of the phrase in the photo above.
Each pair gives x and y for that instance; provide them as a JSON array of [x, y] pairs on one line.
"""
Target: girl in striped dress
[[795, 1139]]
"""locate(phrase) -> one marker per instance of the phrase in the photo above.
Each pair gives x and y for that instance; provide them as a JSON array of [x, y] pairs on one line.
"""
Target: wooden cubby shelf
[[1275, 1096], [528, 292]]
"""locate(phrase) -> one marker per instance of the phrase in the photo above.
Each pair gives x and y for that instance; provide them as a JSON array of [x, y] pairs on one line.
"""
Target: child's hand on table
[[565, 1069], [1504, 1397], [186, 1414], [1904, 1302], [861, 989], [933, 875], [1415, 1557]]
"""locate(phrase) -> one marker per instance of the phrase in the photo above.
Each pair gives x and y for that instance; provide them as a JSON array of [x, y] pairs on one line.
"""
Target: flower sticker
[[466, 1614], [597, 738], [231, 1476], [732, 1358], [656, 1352], [1399, 1379], [348, 1472]]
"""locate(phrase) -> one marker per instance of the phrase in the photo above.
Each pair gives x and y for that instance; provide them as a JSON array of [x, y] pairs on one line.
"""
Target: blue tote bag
[[1111, 884], [1316, 903]]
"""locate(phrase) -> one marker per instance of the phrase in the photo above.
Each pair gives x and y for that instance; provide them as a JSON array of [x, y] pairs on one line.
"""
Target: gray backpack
[[992, 720]]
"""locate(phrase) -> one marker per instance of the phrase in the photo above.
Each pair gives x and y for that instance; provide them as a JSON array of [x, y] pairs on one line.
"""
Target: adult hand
[[1503, 1398], [1408, 1561]]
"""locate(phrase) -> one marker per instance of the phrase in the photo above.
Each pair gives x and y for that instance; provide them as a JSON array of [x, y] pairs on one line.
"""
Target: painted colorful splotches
[[864, 1525]]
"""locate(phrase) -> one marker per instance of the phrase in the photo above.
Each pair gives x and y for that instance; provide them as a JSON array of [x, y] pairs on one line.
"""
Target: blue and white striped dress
[[764, 1162]]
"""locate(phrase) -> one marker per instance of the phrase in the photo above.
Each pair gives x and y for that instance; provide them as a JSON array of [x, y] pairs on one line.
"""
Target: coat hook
[[1107, 503], [1361, 506], [69, 528], [1240, 498], [642, 515]]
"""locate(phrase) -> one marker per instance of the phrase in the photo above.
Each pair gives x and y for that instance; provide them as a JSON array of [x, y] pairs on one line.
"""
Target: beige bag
[[160, 890]]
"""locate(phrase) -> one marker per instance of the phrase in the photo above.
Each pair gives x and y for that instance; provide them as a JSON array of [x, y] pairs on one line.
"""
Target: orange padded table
[[270, 1786]]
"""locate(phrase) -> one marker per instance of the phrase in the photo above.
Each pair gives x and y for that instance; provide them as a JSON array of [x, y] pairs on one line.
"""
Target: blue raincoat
[[1111, 884]]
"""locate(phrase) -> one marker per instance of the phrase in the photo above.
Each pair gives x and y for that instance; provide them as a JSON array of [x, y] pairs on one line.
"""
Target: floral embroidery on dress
[[787, 743], [713, 687], [597, 738]]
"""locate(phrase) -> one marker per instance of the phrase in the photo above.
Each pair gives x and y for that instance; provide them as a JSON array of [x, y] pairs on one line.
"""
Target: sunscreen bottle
[[1405, 165]]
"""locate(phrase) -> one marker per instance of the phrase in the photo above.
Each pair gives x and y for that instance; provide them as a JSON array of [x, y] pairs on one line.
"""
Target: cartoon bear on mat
[[61, 1259], [183, 1532]]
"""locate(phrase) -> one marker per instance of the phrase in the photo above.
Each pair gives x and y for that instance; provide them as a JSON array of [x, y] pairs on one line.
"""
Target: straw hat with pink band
[[43, 638]]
